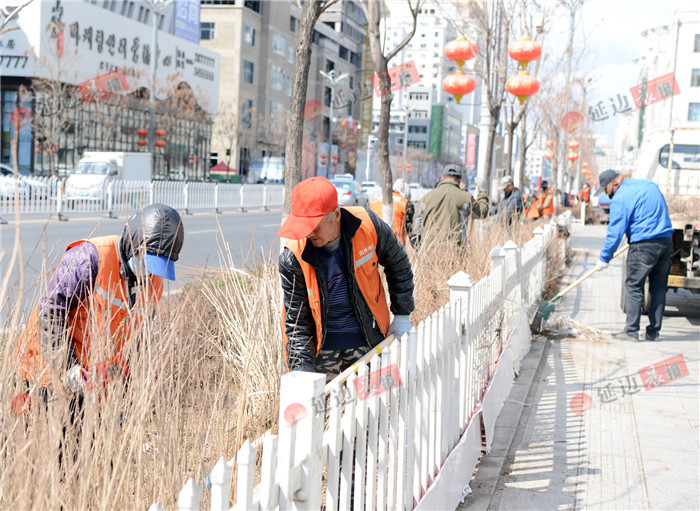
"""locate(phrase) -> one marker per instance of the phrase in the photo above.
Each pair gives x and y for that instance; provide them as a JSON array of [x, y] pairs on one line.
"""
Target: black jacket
[[299, 322]]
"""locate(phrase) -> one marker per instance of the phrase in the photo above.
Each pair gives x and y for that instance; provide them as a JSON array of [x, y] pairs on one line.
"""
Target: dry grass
[[204, 377]]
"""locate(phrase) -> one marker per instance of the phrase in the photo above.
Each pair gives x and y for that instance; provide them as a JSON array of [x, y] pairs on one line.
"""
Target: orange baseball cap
[[312, 199]]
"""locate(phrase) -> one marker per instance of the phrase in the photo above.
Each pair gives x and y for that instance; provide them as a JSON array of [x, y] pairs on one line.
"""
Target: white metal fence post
[[264, 204], [246, 476], [537, 282], [59, 202], [240, 193], [110, 199], [583, 212], [302, 413], [460, 293], [220, 485], [190, 497], [152, 194], [498, 256], [216, 198]]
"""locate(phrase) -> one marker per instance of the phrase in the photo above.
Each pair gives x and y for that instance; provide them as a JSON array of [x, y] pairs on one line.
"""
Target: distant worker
[[586, 193], [530, 211], [545, 201], [445, 211], [403, 209], [512, 204], [102, 292], [639, 211], [335, 308]]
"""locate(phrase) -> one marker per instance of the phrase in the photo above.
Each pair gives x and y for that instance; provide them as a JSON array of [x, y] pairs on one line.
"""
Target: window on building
[[146, 16], [249, 35], [343, 52], [330, 66], [206, 30], [418, 144], [351, 82], [696, 46], [131, 10], [254, 5], [290, 54], [247, 113], [125, 7], [695, 78], [113, 5], [276, 109], [279, 44], [694, 111], [349, 108], [418, 129], [248, 71], [355, 59], [140, 18], [399, 140], [419, 114], [293, 24], [289, 86], [327, 96], [161, 21], [276, 78]]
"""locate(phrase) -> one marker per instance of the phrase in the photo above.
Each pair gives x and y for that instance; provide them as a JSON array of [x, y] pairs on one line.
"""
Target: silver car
[[350, 193]]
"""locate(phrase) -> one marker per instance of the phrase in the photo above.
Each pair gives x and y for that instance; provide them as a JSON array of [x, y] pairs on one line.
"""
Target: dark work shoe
[[625, 336], [651, 337]]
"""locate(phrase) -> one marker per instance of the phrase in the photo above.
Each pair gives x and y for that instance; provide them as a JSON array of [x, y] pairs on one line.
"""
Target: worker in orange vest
[[586, 193], [335, 308], [530, 211], [545, 202], [403, 209], [100, 294]]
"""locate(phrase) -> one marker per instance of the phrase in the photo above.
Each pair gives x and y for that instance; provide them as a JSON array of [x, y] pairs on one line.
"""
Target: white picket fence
[[404, 432], [47, 195]]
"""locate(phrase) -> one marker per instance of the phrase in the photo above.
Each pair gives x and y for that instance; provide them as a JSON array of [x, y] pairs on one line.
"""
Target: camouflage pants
[[334, 362]]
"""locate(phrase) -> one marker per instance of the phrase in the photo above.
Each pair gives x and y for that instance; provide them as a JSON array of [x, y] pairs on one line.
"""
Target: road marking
[[270, 225], [203, 232]]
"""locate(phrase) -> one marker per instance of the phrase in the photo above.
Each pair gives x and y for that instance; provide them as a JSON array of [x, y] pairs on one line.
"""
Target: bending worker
[[545, 202], [444, 211], [402, 209], [335, 309], [638, 210], [101, 291]]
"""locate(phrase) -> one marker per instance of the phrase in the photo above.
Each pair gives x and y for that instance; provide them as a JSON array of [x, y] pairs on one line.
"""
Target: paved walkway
[[597, 423]]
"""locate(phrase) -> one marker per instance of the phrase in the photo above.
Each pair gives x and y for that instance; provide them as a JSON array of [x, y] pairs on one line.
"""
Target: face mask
[[612, 194], [138, 266]]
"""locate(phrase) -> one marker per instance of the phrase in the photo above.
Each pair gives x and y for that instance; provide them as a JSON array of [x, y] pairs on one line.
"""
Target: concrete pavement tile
[[502, 438], [518, 392], [517, 499], [668, 487], [487, 471]]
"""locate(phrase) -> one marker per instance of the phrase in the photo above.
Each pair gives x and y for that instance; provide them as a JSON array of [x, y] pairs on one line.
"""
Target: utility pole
[[334, 81], [572, 5]]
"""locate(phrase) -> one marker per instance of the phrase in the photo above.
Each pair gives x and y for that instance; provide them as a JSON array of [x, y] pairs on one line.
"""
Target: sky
[[613, 39]]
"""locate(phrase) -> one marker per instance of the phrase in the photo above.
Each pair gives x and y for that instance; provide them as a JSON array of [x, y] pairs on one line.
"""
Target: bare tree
[[380, 59], [230, 128], [311, 10]]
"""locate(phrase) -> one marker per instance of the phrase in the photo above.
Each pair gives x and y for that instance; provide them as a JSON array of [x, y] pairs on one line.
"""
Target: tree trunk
[[523, 151], [310, 13], [510, 129], [493, 125]]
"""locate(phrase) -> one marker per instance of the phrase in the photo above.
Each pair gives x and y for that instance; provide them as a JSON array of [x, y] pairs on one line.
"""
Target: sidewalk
[[597, 423]]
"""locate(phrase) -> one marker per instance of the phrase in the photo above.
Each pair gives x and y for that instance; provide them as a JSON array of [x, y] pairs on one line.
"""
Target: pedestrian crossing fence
[[49, 196], [406, 428]]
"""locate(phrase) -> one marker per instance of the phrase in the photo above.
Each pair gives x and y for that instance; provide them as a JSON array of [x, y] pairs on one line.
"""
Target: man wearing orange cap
[[335, 308]]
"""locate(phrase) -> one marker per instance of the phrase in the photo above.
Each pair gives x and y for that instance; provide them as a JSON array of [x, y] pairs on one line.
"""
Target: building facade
[[77, 76], [257, 41]]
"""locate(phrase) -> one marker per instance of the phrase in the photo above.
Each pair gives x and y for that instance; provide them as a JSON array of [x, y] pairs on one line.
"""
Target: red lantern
[[585, 164], [522, 85], [159, 143], [458, 84], [571, 121], [324, 156], [525, 51], [323, 162], [408, 167], [574, 144], [572, 156], [142, 142], [142, 132], [460, 50], [549, 155], [335, 163], [400, 167], [334, 156], [550, 143], [160, 132]]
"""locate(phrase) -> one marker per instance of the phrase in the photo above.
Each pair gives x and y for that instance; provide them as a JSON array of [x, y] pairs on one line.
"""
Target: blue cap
[[161, 266]]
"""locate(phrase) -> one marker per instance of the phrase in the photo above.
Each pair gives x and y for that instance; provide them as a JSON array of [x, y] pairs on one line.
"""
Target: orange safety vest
[[399, 215], [586, 194], [532, 211], [549, 210], [101, 325], [364, 255]]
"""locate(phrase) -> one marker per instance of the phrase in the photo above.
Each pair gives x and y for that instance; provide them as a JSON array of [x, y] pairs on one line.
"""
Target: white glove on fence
[[74, 381], [401, 325], [600, 265]]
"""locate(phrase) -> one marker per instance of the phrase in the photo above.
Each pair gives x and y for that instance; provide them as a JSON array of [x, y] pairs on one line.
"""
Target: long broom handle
[[594, 270], [353, 368]]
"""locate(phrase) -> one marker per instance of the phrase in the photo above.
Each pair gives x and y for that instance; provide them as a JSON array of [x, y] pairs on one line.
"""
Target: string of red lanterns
[[459, 84], [523, 85]]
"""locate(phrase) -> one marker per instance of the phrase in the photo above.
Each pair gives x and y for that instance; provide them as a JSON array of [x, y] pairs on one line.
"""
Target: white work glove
[[600, 265], [74, 381], [480, 185], [401, 325]]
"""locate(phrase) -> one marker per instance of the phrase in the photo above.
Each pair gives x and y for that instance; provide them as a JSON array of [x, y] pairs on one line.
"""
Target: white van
[[90, 179], [652, 162]]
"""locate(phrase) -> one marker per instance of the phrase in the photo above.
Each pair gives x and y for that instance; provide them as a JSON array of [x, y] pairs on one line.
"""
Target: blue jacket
[[638, 210]]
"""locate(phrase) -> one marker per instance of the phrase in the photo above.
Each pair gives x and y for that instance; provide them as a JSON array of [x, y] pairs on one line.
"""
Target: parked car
[[7, 187], [350, 192], [34, 186]]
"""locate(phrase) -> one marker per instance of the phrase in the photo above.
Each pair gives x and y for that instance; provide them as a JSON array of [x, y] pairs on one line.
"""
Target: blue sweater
[[638, 210]]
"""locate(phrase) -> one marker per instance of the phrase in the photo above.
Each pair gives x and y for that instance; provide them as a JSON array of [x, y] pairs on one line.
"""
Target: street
[[596, 422], [209, 241]]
